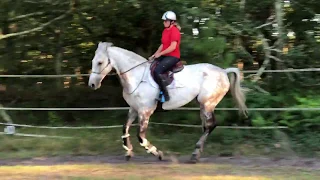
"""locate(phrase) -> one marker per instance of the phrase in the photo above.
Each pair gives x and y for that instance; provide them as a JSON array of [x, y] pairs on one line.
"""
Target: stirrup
[[161, 97]]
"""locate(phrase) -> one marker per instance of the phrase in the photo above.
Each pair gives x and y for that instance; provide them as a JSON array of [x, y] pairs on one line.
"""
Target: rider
[[168, 53]]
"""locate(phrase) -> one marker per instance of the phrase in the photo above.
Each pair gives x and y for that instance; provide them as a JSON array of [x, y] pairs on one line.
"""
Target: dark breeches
[[165, 64]]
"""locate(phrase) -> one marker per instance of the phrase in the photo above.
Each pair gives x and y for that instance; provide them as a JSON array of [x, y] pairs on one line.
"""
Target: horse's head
[[101, 65]]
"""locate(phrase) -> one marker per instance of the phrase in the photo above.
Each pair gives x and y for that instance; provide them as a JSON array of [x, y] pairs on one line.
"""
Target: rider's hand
[[151, 57], [157, 55]]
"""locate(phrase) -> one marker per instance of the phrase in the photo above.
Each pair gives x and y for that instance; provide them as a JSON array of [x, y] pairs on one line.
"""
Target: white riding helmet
[[169, 15]]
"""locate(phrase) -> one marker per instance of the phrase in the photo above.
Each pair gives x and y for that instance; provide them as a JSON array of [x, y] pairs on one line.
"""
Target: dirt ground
[[309, 163], [148, 167]]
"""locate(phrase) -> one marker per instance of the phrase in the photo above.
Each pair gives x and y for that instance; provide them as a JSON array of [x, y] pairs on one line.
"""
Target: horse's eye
[[99, 63]]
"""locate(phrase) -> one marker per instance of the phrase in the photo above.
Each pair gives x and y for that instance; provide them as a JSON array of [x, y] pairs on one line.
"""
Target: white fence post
[[10, 130]]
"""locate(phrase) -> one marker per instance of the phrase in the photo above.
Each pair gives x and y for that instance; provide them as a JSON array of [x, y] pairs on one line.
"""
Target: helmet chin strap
[[170, 24]]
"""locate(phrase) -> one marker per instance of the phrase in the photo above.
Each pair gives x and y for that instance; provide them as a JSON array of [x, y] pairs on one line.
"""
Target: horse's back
[[197, 73], [201, 68]]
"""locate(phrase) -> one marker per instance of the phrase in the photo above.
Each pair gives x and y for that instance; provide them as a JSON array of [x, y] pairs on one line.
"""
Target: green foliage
[[302, 120], [54, 119]]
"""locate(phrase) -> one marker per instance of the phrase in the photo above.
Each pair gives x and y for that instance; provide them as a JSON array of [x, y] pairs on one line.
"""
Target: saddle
[[169, 74]]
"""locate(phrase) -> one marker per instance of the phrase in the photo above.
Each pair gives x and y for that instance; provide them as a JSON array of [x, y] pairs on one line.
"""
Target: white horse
[[203, 81]]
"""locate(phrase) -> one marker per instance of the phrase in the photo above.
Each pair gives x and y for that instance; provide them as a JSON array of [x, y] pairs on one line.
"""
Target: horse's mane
[[131, 55]]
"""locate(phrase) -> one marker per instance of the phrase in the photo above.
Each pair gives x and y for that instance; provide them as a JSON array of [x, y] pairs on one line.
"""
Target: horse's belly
[[182, 96]]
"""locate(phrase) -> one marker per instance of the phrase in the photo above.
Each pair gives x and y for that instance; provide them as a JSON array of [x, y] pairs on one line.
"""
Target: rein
[[133, 68]]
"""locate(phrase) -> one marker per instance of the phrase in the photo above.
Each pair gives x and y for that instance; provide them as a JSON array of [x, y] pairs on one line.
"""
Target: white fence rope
[[155, 123], [84, 75], [64, 109], [221, 127], [43, 76], [284, 70], [13, 133], [64, 127], [177, 109], [37, 135]]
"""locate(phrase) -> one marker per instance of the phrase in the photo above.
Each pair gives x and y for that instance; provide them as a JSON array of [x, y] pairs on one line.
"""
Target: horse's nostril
[[92, 85]]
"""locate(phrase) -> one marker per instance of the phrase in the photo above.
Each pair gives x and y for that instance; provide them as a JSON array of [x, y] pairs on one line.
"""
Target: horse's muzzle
[[92, 85]]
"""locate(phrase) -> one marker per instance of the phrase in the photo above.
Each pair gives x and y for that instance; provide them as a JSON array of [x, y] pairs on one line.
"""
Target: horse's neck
[[130, 68], [124, 60]]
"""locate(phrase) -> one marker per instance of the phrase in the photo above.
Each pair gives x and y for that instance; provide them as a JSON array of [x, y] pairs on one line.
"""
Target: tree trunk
[[58, 59], [280, 41], [276, 79]]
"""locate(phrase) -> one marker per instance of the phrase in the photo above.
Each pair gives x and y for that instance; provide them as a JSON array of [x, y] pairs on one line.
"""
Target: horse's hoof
[[128, 156], [194, 158], [160, 156]]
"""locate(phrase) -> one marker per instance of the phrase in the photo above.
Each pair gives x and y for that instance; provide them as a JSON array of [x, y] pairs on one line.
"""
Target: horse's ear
[[105, 45], [109, 44], [100, 44]]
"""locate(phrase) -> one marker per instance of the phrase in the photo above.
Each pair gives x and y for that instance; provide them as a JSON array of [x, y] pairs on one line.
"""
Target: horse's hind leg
[[144, 117], [132, 115], [208, 121]]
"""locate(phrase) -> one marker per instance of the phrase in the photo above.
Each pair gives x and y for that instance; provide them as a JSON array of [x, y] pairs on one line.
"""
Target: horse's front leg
[[144, 117], [132, 115]]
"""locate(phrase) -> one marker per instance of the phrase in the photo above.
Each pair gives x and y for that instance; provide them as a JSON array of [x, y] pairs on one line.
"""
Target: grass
[[170, 171], [180, 142]]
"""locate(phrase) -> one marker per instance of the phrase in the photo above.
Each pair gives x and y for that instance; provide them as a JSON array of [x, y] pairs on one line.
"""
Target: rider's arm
[[159, 49], [172, 47]]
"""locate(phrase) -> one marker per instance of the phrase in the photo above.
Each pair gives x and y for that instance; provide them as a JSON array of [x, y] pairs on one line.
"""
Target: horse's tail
[[236, 90]]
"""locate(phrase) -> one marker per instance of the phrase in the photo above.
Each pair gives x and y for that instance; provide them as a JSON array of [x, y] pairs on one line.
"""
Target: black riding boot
[[163, 87]]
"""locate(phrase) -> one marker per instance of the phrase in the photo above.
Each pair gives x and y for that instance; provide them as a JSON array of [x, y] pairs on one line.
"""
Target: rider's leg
[[166, 63], [158, 70]]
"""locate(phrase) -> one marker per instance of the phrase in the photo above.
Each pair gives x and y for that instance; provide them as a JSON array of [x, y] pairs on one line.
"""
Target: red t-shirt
[[169, 35]]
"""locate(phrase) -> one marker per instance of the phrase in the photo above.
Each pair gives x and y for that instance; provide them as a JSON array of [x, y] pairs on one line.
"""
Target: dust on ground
[[309, 163]]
